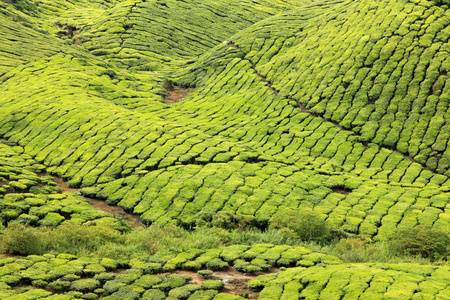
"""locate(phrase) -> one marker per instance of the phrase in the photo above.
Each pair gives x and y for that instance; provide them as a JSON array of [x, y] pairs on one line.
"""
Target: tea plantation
[[220, 118]]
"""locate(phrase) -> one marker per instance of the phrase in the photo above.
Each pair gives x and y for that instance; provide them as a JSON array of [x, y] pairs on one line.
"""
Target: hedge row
[[69, 277], [356, 281], [20, 173]]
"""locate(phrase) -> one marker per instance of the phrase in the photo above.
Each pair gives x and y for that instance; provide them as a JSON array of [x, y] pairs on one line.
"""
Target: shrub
[[154, 294], [183, 292], [305, 225], [212, 285], [357, 250], [227, 220], [113, 286], [442, 2], [205, 273], [85, 285], [59, 285], [69, 236], [216, 264], [148, 281], [203, 295], [422, 241], [19, 239]]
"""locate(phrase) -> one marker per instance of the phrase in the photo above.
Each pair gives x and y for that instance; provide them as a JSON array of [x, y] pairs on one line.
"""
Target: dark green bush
[[357, 250], [227, 220], [421, 241], [19, 239], [224, 220], [70, 236], [305, 225], [25, 6], [442, 2]]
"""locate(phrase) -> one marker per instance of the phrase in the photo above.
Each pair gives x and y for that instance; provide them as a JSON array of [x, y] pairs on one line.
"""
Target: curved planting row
[[21, 173], [240, 143], [377, 68], [51, 210], [66, 276], [146, 35], [69, 277], [356, 281]]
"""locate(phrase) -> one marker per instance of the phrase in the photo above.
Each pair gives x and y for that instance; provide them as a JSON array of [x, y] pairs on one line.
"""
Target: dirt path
[[131, 219], [177, 94], [236, 283]]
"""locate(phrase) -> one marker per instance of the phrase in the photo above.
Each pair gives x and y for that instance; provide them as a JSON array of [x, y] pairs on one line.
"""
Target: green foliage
[[421, 240], [154, 294], [19, 239], [203, 295], [212, 285], [305, 225], [441, 2], [70, 238], [85, 285], [304, 115], [183, 292], [353, 250], [205, 273]]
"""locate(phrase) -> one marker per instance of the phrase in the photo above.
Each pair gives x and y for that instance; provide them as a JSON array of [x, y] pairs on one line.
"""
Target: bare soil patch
[[341, 190], [131, 219], [236, 283], [64, 186], [177, 94]]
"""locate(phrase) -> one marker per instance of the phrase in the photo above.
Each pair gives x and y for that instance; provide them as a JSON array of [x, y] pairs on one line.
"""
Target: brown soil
[[236, 283], [177, 94], [63, 185], [131, 219], [341, 191]]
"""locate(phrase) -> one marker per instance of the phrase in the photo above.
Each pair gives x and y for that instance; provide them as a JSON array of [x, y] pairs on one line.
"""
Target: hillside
[[195, 112]]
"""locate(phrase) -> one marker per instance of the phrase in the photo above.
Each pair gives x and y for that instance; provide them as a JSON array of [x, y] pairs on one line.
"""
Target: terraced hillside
[[184, 111]]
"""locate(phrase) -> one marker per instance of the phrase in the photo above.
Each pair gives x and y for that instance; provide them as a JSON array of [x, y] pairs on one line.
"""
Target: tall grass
[[105, 241]]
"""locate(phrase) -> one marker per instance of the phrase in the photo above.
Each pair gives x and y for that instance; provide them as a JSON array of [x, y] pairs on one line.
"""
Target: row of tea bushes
[[66, 276], [51, 210], [246, 259], [20, 173], [236, 145], [390, 88], [356, 281], [143, 36]]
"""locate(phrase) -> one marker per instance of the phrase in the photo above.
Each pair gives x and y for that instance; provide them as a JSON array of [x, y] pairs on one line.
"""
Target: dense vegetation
[[311, 142]]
